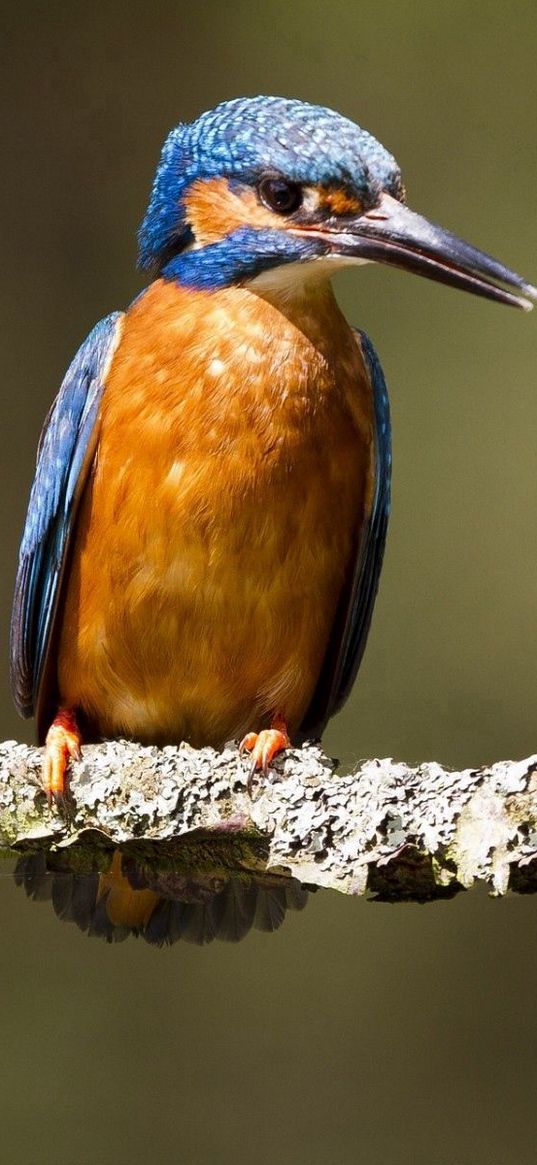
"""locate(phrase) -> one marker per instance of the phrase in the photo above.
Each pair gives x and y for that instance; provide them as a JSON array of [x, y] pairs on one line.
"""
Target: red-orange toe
[[62, 745], [265, 745]]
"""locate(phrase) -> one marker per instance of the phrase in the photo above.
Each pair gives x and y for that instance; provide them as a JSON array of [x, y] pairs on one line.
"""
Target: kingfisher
[[207, 521]]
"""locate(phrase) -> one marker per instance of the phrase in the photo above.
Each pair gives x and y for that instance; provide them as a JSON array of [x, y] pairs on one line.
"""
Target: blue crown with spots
[[243, 138]]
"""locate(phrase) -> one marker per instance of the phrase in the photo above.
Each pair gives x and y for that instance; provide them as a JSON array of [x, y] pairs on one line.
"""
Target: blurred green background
[[359, 1032]]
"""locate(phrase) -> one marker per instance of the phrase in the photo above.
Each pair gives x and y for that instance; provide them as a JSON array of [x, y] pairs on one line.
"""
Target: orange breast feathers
[[233, 473]]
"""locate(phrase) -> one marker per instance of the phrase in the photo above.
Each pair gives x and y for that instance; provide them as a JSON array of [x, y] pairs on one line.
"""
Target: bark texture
[[401, 833]]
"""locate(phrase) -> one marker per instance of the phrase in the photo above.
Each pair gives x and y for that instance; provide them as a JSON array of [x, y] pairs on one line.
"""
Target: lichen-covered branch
[[400, 832]]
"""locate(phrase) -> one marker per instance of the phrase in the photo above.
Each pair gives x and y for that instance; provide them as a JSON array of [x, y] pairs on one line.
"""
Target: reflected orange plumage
[[233, 474], [124, 904]]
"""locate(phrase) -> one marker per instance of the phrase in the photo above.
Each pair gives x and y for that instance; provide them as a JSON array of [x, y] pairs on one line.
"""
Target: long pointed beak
[[391, 233]]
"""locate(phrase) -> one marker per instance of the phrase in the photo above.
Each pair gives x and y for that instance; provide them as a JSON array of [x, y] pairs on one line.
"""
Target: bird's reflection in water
[[161, 907]]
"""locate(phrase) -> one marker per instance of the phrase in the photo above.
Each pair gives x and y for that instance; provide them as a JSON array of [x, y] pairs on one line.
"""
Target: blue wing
[[353, 618], [64, 456]]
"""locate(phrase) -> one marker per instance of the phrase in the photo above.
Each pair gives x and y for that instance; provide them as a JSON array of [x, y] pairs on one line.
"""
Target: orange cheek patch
[[337, 200], [214, 209]]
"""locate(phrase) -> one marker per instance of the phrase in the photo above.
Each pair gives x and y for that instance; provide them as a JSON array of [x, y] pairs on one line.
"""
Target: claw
[[62, 745], [264, 746]]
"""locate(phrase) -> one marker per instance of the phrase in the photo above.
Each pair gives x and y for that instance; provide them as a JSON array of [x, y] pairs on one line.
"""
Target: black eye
[[279, 195]]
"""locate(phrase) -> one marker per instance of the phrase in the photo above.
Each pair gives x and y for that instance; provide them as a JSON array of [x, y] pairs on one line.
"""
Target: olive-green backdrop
[[359, 1032]]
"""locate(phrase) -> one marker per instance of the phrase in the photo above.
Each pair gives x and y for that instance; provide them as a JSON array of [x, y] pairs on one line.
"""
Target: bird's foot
[[264, 746], [62, 745]]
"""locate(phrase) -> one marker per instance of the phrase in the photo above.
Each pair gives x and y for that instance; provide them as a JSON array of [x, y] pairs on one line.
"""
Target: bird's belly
[[211, 607], [234, 468]]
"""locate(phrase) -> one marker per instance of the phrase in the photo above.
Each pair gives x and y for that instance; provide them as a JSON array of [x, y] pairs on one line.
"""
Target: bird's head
[[268, 187]]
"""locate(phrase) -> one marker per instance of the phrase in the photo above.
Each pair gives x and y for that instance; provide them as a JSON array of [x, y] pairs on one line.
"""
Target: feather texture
[[352, 622], [64, 455], [235, 473]]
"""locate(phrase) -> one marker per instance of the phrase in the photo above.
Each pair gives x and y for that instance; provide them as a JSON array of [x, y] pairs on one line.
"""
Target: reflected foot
[[62, 745]]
